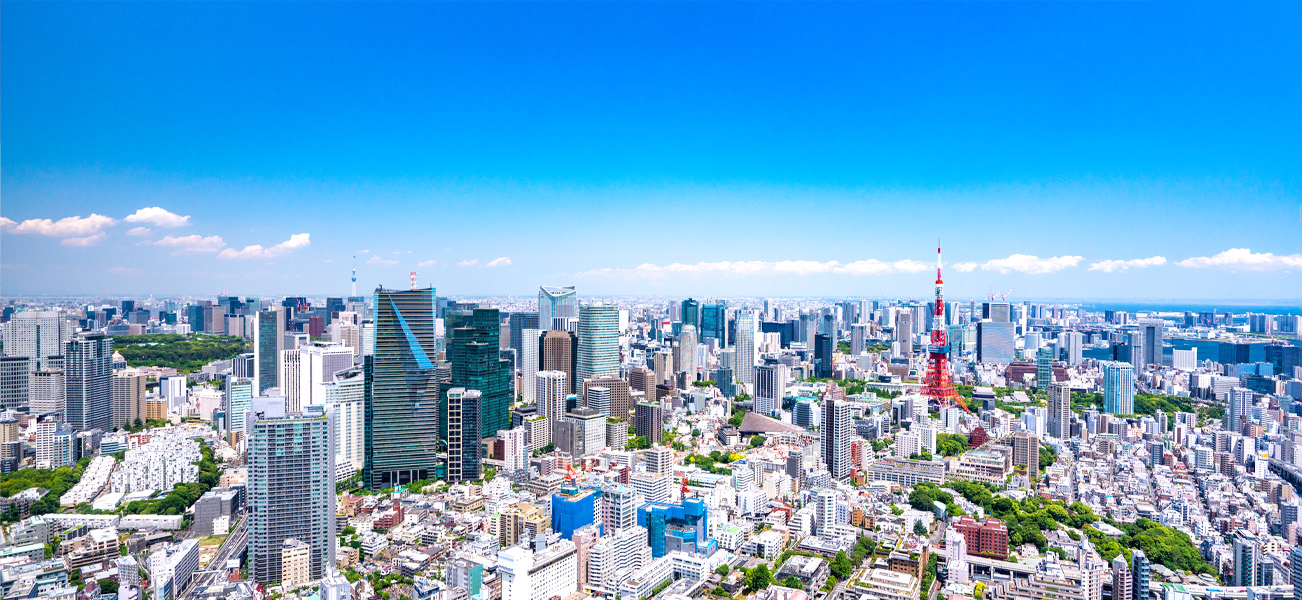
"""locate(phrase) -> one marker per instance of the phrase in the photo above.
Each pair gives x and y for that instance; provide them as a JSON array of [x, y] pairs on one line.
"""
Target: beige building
[[295, 566], [128, 398], [619, 395], [887, 585], [559, 351]]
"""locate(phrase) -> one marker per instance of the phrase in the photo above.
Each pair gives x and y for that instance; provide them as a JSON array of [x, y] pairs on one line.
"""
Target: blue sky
[[1092, 150]]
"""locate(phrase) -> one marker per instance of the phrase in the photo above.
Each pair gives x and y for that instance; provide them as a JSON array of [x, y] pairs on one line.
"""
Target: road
[[232, 547]]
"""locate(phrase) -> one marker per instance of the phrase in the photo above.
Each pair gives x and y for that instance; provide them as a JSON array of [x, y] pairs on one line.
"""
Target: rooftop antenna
[[413, 280], [354, 276]]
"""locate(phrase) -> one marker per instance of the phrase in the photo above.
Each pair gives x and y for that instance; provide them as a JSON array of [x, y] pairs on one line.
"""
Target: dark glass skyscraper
[[473, 343], [402, 393], [714, 323], [88, 383]]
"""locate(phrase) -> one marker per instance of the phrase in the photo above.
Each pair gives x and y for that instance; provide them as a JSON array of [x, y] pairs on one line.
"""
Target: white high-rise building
[[619, 508], [530, 575], [687, 352], [1185, 360], [652, 486], [620, 551], [345, 397], [515, 451], [824, 512], [1073, 344], [747, 335], [37, 335], [659, 459], [956, 557], [529, 364], [171, 568], [550, 393], [308, 370], [556, 307]]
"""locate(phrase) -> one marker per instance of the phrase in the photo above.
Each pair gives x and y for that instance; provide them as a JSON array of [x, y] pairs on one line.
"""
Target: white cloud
[[468, 263], [138, 231], [965, 267], [158, 216], [427, 263], [1245, 258], [192, 243], [6, 223], [89, 240], [376, 260], [364, 252], [873, 266], [503, 261], [1030, 265], [65, 227], [1110, 266], [296, 241]]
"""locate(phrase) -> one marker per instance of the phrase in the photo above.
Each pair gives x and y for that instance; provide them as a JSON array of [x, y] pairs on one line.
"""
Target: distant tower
[[937, 385], [354, 294]]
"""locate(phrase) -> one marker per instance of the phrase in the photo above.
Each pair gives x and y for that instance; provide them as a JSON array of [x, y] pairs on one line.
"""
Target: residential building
[[1118, 387], [128, 398], [88, 382]]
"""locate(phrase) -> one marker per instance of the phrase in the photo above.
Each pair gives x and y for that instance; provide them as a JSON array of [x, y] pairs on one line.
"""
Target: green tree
[[758, 578], [919, 528], [757, 440], [722, 570], [841, 567], [921, 499], [791, 582]]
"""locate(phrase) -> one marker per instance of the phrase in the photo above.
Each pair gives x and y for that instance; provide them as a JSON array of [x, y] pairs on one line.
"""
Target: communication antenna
[[354, 275], [413, 280]]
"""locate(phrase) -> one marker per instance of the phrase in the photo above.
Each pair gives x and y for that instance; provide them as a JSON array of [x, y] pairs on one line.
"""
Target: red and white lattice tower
[[938, 385], [413, 280]]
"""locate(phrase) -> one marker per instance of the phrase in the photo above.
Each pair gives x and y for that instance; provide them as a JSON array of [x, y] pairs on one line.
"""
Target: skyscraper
[[824, 345], [995, 341], [691, 313], [87, 380], [555, 306], [37, 335], [560, 352], [519, 322], [714, 324], [1043, 368], [1118, 388], [836, 437], [770, 385], [530, 357], [15, 380], [291, 491], [239, 399], [747, 332], [687, 352], [307, 370], [553, 388], [464, 427], [1073, 344], [402, 393], [1140, 571], [473, 342], [268, 342], [598, 341], [1059, 410], [1151, 350]]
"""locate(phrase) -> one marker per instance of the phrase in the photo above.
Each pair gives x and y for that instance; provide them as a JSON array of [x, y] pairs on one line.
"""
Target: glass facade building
[[598, 342], [402, 392], [473, 338], [682, 527]]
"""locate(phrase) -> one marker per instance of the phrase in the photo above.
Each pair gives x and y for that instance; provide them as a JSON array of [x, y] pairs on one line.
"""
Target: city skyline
[[740, 155]]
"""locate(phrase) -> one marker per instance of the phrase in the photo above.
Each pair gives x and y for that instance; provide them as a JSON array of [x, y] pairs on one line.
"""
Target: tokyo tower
[[937, 385]]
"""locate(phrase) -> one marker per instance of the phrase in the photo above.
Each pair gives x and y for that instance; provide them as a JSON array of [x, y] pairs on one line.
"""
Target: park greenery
[[185, 353], [640, 442], [1028, 519], [736, 418], [55, 481], [929, 575], [951, 444], [1047, 457], [707, 462]]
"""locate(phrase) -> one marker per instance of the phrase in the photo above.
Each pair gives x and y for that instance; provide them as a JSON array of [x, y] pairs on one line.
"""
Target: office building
[[473, 344], [574, 508], [714, 324], [1150, 343], [836, 433], [88, 382], [560, 352], [15, 379], [770, 386], [530, 357], [620, 393], [268, 343], [172, 567], [998, 312], [995, 342], [402, 392], [519, 322], [540, 572], [239, 401], [1073, 345], [1118, 387], [598, 341], [45, 391], [1247, 560], [291, 490], [464, 421], [307, 370], [1043, 368], [746, 339], [551, 394], [824, 346], [556, 306], [988, 538], [37, 335], [677, 527], [128, 398], [685, 356]]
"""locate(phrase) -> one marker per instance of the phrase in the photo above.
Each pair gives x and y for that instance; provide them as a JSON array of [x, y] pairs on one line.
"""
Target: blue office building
[[573, 508], [673, 527]]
